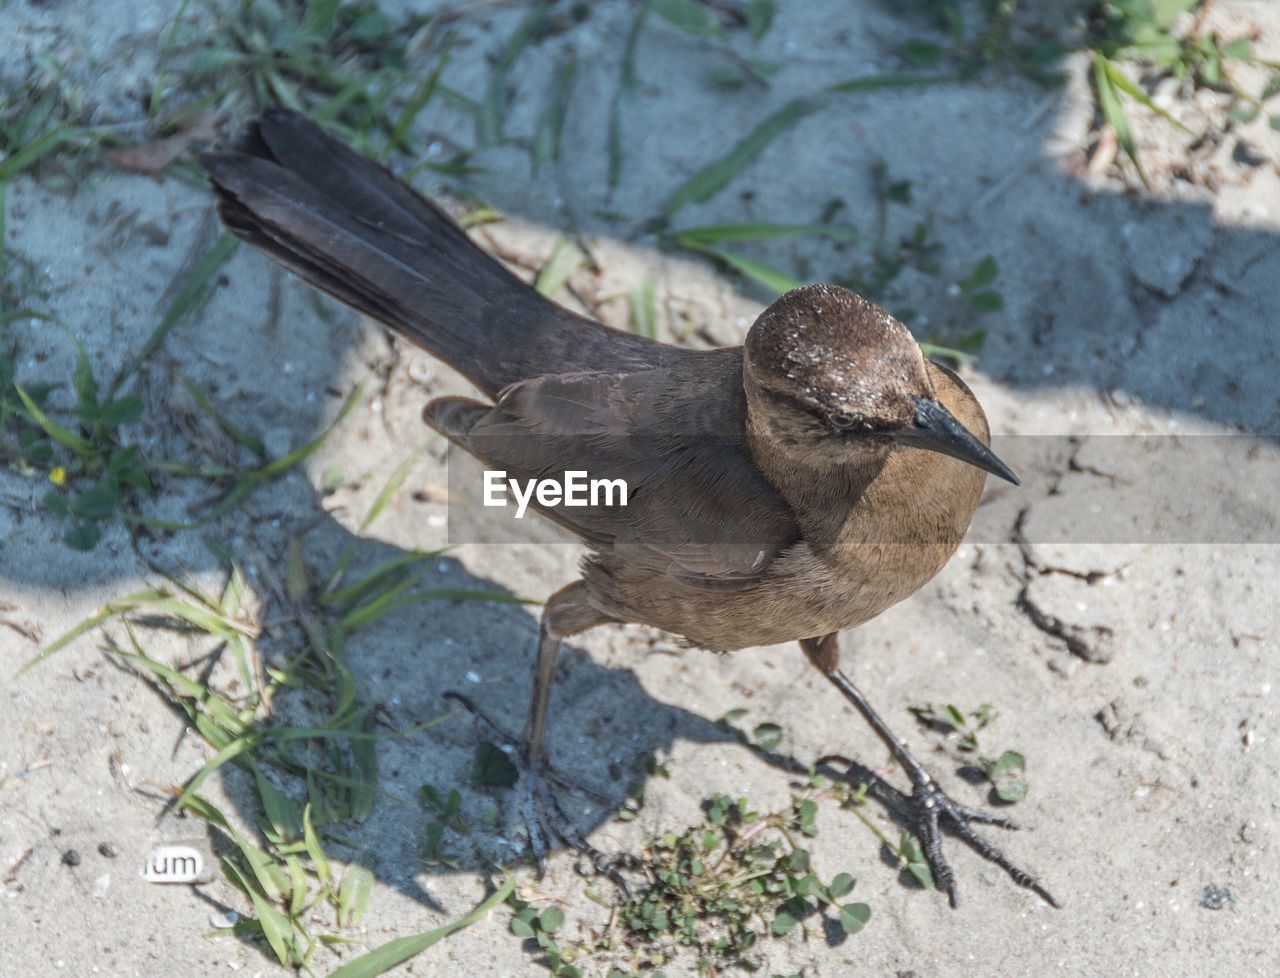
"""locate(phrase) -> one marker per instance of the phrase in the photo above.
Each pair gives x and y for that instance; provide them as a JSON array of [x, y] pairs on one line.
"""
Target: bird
[[779, 491]]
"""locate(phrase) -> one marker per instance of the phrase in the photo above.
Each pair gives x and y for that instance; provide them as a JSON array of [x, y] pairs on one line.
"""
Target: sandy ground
[[1153, 768]]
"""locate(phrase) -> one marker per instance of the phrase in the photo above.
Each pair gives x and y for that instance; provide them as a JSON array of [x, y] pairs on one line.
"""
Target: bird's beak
[[937, 430]]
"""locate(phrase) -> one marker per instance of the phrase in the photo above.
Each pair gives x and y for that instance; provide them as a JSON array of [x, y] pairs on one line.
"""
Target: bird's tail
[[350, 227]]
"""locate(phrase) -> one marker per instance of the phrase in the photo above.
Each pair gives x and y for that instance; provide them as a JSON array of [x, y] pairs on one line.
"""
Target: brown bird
[[779, 491]]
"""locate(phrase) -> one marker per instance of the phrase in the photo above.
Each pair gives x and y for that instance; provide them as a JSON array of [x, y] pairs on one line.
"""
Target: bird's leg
[[566, 613], [928, 806]]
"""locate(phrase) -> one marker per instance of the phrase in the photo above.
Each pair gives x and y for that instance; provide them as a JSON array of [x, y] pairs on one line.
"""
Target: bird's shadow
[[604, 726]]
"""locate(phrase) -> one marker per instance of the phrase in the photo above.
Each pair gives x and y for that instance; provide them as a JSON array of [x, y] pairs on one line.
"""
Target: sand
[[1154, 778]]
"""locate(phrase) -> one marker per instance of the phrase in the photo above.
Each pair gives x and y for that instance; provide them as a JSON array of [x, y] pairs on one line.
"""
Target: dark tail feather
[[350, 227]]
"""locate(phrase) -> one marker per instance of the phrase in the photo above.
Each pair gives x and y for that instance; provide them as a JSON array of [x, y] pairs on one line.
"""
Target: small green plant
[[90, 466], [39, 120], [446, 813], [492, 767], [722, 886], [95, 473], [976, 287], [874, 274], [540, 926], [343, 62], [710, 23], [717, 891], [953, 721], [1145, 32], [1006, 773], [970, 47]]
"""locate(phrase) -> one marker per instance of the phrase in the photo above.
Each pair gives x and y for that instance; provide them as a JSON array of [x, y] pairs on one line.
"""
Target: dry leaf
[[151, 159]]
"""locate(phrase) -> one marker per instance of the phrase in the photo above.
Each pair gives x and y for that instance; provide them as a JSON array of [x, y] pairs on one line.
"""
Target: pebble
[[420, 370], [1215, 897], [71, 858]]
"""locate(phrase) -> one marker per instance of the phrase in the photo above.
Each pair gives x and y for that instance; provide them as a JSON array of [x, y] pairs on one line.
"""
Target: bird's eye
[[841, 419]]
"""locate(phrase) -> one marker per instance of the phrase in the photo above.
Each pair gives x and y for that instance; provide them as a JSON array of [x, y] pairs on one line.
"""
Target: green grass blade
[[319, 861], [209, 812], [297, 884], [106, 613], [876, 83], [397, 599], [418, 100], [566, 258], [320, 17], [63, 436], [757, 231], [30, 154], [201, 619], [274, 924], [388, 571], [1118, 79], [644, 319], [390, 489], [290, 459], [714, 177], [179, 685], [235, 432], [768, 276], [690, 16], [228, 753], [283, 813], [494, 108], [550, 125], [382, 959], [376, 607], [626, 85], [85, 384], [1114, 112], [353, 894], [192, 294]]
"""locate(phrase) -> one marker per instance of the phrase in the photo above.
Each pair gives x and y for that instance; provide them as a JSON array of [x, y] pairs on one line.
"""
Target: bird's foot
[[932, 809], [541, 791], [540, 801], [929, 810]]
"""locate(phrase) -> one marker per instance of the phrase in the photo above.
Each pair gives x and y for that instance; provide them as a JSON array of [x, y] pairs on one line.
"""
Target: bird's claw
[[931, 808], [547, 823]]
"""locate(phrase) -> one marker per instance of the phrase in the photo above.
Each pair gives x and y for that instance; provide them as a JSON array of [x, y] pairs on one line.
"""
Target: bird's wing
[[697, 508]]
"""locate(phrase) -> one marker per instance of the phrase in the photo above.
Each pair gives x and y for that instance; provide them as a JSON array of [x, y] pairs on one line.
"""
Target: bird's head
[[831, 377]]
